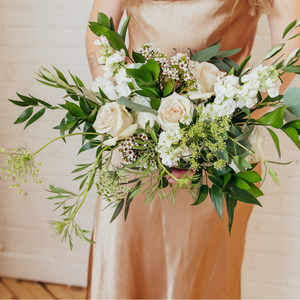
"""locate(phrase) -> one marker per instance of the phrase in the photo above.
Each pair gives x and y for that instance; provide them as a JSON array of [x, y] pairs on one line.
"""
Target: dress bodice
[[193, 24]]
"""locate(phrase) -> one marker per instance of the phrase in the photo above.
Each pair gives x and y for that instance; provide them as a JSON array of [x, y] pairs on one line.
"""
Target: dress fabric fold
[[165, 251]]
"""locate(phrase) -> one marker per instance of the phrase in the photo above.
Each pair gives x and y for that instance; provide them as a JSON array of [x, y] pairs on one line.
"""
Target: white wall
[[34, 33]]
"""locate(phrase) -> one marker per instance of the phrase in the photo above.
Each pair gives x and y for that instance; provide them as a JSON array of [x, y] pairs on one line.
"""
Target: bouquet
[[190, 112]]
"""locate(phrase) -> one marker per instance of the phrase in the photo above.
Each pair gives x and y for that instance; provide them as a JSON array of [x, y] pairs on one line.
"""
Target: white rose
[[207, 74], [175, 108], [141, 118], [107, 87], [258, 141], [113, 119]]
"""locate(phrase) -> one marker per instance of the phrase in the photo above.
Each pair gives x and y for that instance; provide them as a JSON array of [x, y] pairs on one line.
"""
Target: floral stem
[[63, 136], [167, 171], [90, 181]]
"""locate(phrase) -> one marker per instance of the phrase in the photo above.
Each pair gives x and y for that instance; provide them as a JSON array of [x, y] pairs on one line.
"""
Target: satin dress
[[165, 251]]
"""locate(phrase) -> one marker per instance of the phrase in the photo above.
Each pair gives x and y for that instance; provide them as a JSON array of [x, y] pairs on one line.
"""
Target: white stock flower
[[107, 86], [113, 119], [123, 89], [226, 87], [117, 57], [213, 110], [273, 86], [121, 76], [175, 108]]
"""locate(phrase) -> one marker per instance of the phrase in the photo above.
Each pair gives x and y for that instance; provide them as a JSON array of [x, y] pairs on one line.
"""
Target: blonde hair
[[261, 6]]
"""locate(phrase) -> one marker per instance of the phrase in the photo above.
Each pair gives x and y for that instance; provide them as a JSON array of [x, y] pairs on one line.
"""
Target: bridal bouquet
[[190, 112]]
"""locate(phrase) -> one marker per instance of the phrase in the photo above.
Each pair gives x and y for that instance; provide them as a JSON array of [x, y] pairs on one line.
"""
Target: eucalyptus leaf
[[206, 54], [289, 28], [220, 64], [292, 100], [135, 106], [227, 53]]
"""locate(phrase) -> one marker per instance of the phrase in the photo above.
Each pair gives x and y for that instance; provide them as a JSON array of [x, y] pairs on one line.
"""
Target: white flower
[[141, 118], [246, 102], [117, 57], [226, 87], [208, 75], [227, 108], [112, 119], [121, 76], [175, 108], [140, 100], [123, 89], [107, 87], [213, 110], [258, 144], [273, 86]]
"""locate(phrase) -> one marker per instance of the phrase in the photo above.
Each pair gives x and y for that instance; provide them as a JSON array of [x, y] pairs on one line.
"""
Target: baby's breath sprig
[[19, 164]]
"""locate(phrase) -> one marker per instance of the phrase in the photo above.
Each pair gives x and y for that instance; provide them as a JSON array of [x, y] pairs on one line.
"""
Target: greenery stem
[[63, 136], [167, 171], [90, 181]]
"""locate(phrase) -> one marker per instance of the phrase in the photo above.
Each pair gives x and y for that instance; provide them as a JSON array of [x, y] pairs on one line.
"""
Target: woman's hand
[[179, 174]]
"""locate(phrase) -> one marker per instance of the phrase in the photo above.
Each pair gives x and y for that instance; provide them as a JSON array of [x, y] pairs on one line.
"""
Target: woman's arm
[[112, 8], [285, 11]]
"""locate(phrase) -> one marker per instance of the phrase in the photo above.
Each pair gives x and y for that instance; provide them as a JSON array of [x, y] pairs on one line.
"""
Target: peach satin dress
[[166, 251]]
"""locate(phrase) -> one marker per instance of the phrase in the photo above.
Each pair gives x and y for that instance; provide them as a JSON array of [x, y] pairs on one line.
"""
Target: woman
[[165, 251]]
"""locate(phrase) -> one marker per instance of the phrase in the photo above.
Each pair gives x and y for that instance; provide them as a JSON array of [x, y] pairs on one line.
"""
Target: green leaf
[[153, 68], [240, 183], [292, 69], [60, 75], [230, 205], [103, 20], [112, 25], [68, 125], [216, 181], [130, 197], [273, 118], [243, 196], [292, 100], [231, 63], [241, 163], [274, 176], [288, 28], [75, 110], [124, 28], [168, 89], [18, 103], [288, 116], [147, 93], [202, 193], [153, 136], [117, 210], [137, 57], [99, 29], [206, 54], [28, 100], [231, 72], [48, 105], [217, 199], [273, 51], [227, 53], [92, 117], [35, 117], [242, 65], [255, 191], [116, 41], [142, 75], [220, 64], [227, 177], [276, 141], [292, 133], [84, 106], [135, 106], [26, 114], [294, 123], [155, 103], [89, 145], [163, 183], [291, 58], [245, 134], [250, 176]]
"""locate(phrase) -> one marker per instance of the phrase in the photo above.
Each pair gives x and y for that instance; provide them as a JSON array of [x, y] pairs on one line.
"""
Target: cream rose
[[207, 74], [141, 118], [113, 119], [175, 108]]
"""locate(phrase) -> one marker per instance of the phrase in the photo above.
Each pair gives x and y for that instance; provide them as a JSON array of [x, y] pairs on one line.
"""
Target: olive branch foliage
[[82, 104]]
